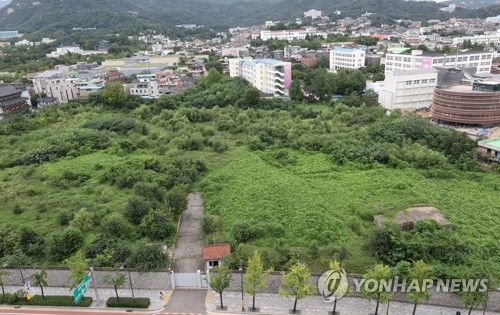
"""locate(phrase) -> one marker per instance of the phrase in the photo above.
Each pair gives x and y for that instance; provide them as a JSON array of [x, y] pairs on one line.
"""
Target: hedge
[[128, 302], [49, 300]]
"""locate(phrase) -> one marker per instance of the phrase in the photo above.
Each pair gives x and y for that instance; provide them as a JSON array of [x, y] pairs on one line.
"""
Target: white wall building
[[290, 35], [313, 14], [346, 58], [146, 86], [481, 60], [408, 90], [485, 39], [267, 75]]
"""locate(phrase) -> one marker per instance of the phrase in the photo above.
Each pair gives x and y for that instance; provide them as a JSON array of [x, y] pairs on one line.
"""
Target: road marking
[[167, 296], [209, 296]]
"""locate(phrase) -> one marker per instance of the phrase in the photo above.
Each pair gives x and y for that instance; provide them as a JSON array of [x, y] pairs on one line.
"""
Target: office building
[[346, 58]]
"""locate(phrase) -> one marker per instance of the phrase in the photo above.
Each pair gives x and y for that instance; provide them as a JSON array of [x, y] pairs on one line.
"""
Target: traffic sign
[[81, 288]]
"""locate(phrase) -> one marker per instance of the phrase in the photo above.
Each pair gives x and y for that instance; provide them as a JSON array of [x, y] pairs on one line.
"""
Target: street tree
[[116, 280], [3, 273], [420, 275], [256, 276], [78, 267], [335, 266], [377, 276], [220, 279], [40, 279], [474, 295], [296, 284]]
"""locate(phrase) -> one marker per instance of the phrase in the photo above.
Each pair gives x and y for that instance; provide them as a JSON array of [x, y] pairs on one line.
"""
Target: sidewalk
[[157, 302], [314, 305]]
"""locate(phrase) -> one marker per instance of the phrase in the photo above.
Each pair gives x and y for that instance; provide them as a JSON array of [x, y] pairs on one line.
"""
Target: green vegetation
[[372, 290], [128, 302], [255, 276], [116, 280], [103, 181], [220, 279], [48, 300], [296, 284]]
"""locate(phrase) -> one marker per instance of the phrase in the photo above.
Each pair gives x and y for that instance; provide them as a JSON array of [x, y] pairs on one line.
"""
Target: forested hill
[[53, 15]]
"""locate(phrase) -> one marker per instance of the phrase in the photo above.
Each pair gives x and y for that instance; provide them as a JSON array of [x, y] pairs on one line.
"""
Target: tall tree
[[295, 91], [335, 266], [78, 266], [379, 274], [420, 274], [256, 276], [40, 279], [114, 94], [296, 283], [476, 293], [220, 279], [3, 273], [116, 280]]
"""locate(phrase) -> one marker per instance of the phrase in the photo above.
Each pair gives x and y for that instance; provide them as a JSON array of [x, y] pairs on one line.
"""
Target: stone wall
[[438, 298], [58, 277]]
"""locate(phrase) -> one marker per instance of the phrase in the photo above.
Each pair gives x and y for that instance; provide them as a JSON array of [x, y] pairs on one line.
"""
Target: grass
[[317, 201]]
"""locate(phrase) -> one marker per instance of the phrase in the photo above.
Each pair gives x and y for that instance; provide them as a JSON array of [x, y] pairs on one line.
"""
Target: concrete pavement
[[188, 253], [314, 305], [187, 301], [157, 301]]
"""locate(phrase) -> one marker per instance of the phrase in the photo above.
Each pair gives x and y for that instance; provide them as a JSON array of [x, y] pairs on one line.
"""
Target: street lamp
[[129, 278], [241, 278], [392, 288]]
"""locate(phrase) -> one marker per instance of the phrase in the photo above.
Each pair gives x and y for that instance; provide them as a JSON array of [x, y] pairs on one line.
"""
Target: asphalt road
[[79, 311], [187, 301]]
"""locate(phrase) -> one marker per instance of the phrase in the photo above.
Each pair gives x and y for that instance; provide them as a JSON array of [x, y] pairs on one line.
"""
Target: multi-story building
[[484, 39], [291, 35], [145, 86], [408, 90], [267, 75], [480, 60], [476, 104], [12, 100], [346, 58]]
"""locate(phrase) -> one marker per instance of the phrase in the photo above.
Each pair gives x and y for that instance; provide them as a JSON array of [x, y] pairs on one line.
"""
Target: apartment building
[[408, 90], [480, 60], [346, 58], [145, 86], [291, 35], [267, 75], [486, 39]]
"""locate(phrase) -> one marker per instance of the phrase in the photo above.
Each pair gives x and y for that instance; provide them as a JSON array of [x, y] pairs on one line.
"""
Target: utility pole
[[95, 286]]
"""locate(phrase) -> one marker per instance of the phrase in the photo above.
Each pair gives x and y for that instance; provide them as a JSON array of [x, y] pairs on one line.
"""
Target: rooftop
[[349, 50], [216, 251], [269, 61], [495, 142]]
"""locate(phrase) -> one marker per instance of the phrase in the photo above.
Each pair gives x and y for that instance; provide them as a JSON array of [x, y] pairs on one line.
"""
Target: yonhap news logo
[[333, 285]]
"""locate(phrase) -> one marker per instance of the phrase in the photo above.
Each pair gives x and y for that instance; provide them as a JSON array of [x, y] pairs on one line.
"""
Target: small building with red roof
[[213, 254]]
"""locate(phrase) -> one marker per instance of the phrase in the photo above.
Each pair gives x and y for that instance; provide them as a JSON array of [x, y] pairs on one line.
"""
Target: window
[[424, 81], [432, 80], [416, 82], [408, 82]]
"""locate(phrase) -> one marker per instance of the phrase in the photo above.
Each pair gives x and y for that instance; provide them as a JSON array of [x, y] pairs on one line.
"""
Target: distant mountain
[[48, 16], [3, 3]]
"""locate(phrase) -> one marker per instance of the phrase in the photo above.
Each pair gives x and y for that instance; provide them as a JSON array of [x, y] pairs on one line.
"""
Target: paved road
[[187, 301], [188, 253], [37, 311]]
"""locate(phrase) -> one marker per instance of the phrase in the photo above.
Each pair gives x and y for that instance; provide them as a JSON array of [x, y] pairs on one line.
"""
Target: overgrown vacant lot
[[316, 203], [109, 179]]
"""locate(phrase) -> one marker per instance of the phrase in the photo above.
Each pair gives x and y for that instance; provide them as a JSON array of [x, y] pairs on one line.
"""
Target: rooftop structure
[[409, 217], [477, 104]]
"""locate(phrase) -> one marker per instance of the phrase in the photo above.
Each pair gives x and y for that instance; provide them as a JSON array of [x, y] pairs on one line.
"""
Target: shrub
[[243, 231], [208, 224], [137, 208], [176, 199], [149, 256], [64, 243], [119, 125], [157, 226], [128, 302], [59, 300], [17, 209], [64, 217], [116, 226], [83, 220]]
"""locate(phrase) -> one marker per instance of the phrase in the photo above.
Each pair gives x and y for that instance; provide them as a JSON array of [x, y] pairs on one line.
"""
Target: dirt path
[[188, 255]]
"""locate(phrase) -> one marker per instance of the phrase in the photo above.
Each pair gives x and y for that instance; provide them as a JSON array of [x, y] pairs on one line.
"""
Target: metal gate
[[191, 280]]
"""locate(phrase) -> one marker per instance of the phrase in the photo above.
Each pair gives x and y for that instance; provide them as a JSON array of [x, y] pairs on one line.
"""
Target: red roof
[[216, 251]]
